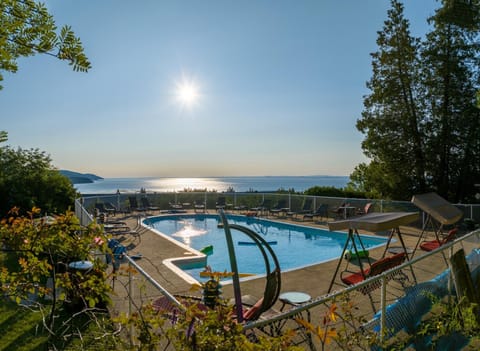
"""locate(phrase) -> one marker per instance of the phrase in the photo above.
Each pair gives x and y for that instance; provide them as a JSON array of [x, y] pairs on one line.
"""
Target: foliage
[[19, 328], [342, 326], [22, 329], [451, 80], [391, 119], [27, 29], [421, 124], [450, 325], [197, 329], [331, 191], [39, 250], [28, 179]]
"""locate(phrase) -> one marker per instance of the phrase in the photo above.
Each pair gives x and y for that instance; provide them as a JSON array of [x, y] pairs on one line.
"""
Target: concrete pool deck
[[313, 280]]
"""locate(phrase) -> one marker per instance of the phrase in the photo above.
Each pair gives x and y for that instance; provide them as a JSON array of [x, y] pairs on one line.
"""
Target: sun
[[187, 93]]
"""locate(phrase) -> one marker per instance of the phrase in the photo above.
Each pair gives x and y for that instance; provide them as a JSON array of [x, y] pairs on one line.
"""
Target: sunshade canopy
[[440, 209], [375, 222]]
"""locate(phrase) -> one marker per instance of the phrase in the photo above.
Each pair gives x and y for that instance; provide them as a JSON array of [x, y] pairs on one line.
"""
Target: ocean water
[[220, 184]]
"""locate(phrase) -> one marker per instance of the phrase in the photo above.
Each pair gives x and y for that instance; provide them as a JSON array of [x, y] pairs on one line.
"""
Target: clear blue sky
[[279, 86]]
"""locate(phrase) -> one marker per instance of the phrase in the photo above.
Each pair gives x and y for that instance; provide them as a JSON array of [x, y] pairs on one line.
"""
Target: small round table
[[296, 298], [83, 266], [293, 298]]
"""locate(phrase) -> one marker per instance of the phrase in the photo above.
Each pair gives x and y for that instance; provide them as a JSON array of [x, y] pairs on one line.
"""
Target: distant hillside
[[80, 178]]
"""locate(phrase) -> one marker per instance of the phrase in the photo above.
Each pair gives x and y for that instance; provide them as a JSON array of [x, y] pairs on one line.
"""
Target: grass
[[20, 329]]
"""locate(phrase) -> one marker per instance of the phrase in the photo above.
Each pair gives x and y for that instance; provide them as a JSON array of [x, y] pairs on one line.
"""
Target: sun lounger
[[321, 211]]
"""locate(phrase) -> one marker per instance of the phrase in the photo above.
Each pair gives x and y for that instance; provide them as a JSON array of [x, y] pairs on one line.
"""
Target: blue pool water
[[296, 246]]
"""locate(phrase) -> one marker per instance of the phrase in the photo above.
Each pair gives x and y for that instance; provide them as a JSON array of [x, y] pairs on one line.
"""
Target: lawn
[[20, 329]]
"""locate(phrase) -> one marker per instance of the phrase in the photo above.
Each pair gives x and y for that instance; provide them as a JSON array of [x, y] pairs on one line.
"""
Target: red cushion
[[355, 277], [430, 245], [248, 314]]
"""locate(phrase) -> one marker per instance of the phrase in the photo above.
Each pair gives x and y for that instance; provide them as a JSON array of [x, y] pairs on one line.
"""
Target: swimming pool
[[296, 246]]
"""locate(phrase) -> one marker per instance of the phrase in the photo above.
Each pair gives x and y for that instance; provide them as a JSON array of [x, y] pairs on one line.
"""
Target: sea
[[219, 184]]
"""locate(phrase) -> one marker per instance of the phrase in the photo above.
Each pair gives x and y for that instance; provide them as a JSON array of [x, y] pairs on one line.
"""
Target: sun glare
[[186, 93]]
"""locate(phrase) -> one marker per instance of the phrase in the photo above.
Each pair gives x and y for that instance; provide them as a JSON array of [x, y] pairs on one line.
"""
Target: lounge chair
[[264, 206], [240, 208], [147, 206], [199, 206], [176, 207], [106, 208], [435, 244], [281, 206], [306, 208], [321, 211], [221, 203], [100, 208], [134, 204]]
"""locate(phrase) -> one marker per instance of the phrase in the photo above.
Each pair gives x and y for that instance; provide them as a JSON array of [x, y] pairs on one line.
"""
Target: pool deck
[[314, 280]]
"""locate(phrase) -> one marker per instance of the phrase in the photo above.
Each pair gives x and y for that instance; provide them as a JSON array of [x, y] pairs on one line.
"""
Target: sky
[[198, 88]]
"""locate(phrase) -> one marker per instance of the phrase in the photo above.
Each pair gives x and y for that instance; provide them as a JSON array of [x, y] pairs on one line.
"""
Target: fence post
[[130, 297], [383, 306]]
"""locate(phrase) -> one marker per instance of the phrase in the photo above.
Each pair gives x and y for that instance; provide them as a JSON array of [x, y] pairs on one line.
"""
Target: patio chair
[[105, 208], [266, 302], [339, 211], [221, 203], [147, 206], [281, 206], [99, 209], [306, 208], [264, 206], [435, 244], [366, 209], [134, 204], [321, 211], [176, 207], [199, 206]]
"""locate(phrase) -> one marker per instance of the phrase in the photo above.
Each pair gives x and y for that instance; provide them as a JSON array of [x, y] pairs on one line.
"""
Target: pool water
[[296, 246]]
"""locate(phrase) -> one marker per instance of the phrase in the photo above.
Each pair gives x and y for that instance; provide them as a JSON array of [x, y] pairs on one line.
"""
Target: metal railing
[[238, 200], [382, 309]]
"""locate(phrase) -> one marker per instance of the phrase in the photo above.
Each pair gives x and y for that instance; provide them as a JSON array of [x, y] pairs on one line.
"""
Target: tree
[[392, 119], [28, 179], [421, 120], [451, 57], [26, 28]]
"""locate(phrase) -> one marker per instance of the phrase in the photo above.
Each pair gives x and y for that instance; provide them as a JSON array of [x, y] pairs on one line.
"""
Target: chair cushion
[[355, 277], [252, 311], [430, 245]]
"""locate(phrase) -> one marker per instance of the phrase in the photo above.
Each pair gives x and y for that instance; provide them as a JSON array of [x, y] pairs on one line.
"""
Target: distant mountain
[[80, 178]]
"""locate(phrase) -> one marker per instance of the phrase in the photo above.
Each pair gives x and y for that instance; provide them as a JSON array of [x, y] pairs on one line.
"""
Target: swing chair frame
[[374, 222]]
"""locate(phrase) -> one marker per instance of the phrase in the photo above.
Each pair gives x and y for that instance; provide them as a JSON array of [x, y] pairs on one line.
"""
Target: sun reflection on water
[[190, 184], [187, 232]]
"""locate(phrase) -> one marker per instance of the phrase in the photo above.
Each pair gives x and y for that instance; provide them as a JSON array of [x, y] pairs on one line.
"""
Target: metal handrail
[[381, 277]]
